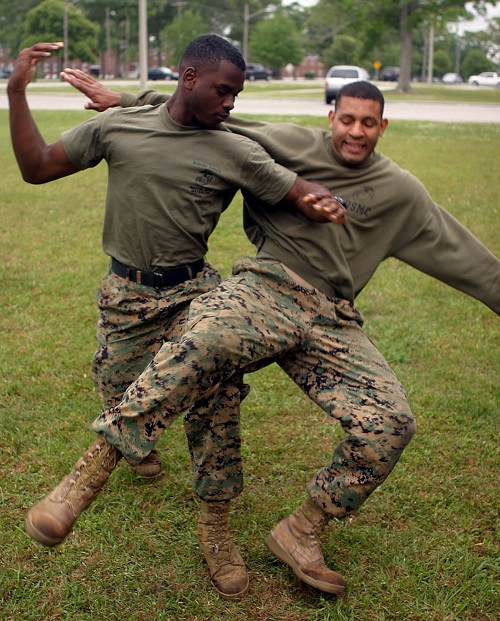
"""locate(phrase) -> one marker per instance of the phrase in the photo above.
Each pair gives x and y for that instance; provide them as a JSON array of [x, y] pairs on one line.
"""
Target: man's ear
[[383, 126], [189, 78], [331, 116]]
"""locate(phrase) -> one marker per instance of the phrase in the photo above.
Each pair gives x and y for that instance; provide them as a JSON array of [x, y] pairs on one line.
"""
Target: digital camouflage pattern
[[258, 315], [134, 322]]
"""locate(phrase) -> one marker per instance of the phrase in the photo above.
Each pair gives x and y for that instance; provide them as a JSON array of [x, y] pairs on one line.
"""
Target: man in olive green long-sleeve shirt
[[286, 306]]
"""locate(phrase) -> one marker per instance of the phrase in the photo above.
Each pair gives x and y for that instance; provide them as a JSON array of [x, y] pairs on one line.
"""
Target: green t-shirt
[[168, 184]]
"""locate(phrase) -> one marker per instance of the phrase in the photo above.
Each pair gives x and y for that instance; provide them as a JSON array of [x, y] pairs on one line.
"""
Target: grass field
[[425, 547]]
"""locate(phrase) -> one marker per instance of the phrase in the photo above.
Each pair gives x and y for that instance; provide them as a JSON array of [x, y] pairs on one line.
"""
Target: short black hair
[[210, 50], [361, 90]]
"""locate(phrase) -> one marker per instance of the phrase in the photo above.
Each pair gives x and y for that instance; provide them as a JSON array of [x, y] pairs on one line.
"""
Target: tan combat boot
[[295, 542], [150, 467], [50, 520], [226, 566]]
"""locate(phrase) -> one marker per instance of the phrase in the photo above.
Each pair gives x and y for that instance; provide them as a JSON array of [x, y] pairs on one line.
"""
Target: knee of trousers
[[384, 444], [391, 447], [405, 429], [219, 350]]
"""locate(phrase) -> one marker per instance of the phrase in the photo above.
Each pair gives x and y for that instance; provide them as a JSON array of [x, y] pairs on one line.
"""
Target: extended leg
[[342, 371], [247, 319], [134, 322]]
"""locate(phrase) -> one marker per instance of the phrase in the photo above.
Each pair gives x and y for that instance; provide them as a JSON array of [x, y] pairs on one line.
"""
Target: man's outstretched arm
[[315, 202], [38, 161], [101, 97]]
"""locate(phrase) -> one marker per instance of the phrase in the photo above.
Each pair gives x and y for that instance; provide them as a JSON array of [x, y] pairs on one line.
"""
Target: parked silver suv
[[339, 75]]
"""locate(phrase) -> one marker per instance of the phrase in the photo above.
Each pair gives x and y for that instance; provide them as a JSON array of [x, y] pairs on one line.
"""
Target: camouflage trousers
[[259, 315], [134, 322]]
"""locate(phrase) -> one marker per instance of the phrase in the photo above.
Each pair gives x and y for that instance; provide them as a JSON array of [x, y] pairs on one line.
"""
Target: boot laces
[[220, 541], [317, 527], [99, 459]]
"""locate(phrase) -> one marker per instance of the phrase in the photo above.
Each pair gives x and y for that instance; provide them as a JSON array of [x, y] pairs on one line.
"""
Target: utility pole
[[179, 6], [246, 19], [430, 70], [127, 42], [247, 16], [65, 34], [107, 25], [143, 43]]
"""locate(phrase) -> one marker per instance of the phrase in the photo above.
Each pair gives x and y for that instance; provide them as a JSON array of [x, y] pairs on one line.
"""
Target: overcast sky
[[479, 23]]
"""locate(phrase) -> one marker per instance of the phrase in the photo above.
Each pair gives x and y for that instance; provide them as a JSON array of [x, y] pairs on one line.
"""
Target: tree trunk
[[423, 71], [405, 55]]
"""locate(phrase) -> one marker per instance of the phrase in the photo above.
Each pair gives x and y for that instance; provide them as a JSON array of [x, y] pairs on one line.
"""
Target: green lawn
[[425, 547]]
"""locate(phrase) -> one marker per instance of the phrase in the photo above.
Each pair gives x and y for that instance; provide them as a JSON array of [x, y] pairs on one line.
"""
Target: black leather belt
[[158, 280]]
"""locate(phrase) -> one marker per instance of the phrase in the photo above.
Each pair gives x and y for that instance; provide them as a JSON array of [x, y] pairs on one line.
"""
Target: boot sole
[[150, 477], [232, 596], [37, 535], [274, 546]]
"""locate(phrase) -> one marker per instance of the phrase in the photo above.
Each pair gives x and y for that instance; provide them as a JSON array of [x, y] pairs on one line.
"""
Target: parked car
[[5, 73], [339, 75], [452, 78], [389, 74], [162, 73], [486, 78], [255, 71]]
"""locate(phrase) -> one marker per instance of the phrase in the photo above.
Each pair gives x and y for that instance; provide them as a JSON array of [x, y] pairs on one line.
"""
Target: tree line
[[369, 33]]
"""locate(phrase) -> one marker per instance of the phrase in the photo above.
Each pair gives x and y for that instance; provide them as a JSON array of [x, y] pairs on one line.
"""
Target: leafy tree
[[329, 18], [493, 34], [387, 55], [411, 14], [176, 36], [234, 12], [442, 63], [160, 14], [276, 42], [226, 17], [474, 62], [45, 23], [117, 22], [219, 17], [373, 22], [488, 41], [11, 18], [343, 51]]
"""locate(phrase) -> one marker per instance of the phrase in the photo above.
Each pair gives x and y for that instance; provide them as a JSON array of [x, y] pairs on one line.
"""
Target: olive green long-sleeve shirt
[[390, 214]]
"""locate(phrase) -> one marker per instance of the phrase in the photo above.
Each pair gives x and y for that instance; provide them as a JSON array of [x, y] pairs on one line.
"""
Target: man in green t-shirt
[[390, 213], [172, 171], [285, 306]]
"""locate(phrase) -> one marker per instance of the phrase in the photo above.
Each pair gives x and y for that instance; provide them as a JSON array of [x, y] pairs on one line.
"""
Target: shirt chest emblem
[[201, 181]]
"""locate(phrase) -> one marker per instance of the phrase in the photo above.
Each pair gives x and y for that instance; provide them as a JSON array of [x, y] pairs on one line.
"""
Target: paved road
[[420, 111]]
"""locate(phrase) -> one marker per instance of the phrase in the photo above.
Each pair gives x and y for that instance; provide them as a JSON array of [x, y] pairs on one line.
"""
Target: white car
[[340, 75], [486, 78], [451, 78]]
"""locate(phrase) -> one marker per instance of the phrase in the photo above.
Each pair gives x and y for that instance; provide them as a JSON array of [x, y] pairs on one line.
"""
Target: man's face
[[356, 126], [213, 94]]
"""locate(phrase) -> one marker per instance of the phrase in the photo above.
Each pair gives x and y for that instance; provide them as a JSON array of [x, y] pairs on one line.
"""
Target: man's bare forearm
[[101, 97], [38, 161]]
